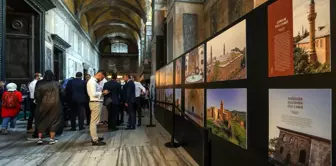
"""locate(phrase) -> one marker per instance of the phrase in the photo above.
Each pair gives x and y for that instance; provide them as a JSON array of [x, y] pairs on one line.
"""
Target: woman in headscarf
[[48, 108], [11, 105]]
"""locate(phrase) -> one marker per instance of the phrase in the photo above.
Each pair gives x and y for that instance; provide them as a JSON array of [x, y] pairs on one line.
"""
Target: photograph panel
[[194, 105], [300, 126], [178, 71], [194, 65], [169, 74], [169, 99], [226, 55], [178, 101], [299, 37], [227, 114]]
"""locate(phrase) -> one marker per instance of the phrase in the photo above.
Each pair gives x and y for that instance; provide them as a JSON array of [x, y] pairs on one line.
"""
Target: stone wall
[[320, 153], [81, 50], [290, 145], [195, 22], [187, 17]]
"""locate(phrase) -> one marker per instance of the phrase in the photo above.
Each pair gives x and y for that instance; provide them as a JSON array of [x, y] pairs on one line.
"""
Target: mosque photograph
[[226, 55], [311, 36], [300, 127]]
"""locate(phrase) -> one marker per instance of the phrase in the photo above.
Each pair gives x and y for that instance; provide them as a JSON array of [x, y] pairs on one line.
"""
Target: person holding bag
[[11, 105]]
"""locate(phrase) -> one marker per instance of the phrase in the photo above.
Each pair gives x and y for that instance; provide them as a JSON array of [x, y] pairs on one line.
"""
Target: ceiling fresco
[[111, 18]]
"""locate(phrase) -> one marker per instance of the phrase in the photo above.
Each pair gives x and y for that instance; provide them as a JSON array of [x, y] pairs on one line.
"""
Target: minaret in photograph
[[223, 49], [311, 18], [210, 55]]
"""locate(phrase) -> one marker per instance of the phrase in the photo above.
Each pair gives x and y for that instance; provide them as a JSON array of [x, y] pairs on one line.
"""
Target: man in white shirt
[[138, 89], [31, 88], [96, 101]]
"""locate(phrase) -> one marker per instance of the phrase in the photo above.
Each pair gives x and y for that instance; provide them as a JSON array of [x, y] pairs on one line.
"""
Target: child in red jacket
[[11, 105]]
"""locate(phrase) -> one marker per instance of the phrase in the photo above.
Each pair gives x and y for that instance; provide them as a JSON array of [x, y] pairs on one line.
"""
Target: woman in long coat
[[48, 106]]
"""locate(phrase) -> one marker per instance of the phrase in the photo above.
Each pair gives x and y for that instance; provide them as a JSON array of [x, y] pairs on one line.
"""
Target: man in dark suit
[[79, 98], [130, 101], [122, 106], [114, 89]]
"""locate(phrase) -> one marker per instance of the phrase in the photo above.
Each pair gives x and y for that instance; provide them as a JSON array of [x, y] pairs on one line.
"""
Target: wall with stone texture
[[81, 51], [182, 21], [212, 16], [119, 64]]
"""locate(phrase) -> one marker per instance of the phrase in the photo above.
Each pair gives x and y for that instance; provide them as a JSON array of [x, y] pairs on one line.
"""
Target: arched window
[[291, 140], [302, 157], [281, 150], [119, 47], [284, 138]]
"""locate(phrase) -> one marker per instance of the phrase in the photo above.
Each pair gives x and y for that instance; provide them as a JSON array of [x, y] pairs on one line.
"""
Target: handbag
[[107, 101]]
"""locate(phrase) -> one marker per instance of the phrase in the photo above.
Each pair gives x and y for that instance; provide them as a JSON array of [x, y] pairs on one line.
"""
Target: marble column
[[2, 39]]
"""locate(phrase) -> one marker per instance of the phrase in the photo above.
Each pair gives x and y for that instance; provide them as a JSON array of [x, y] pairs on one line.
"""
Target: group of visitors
[[50, 104]]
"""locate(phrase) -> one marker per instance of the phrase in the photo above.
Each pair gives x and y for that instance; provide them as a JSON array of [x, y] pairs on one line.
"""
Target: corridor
[[141, 147]]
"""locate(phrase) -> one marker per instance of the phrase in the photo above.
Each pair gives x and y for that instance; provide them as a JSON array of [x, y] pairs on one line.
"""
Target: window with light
[[119, 48]]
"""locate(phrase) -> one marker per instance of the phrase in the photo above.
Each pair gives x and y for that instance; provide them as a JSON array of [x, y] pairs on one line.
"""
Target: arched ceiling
[[110, 18]]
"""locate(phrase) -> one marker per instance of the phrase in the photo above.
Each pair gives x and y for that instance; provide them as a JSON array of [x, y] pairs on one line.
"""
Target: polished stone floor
[[141, 147]]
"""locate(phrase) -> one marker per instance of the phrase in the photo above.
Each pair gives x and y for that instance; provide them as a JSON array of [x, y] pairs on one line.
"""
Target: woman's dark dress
[[48, 107]]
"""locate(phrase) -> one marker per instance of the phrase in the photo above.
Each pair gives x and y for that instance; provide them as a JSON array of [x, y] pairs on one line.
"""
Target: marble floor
[[141, 147]]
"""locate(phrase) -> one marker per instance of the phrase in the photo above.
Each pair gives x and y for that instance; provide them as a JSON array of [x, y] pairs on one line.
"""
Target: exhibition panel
[[194, 105], [194, 65], [178, 71], [279, 111], [300, 126], [227, 114], [299, 37], [169, 74], [226, 55], [178, 99], [169, 99]]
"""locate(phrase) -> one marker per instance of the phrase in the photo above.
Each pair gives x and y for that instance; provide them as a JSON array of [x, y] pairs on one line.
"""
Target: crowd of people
[[53, 104]]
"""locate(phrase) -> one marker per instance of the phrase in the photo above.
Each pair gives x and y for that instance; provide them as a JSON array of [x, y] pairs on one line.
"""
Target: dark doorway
[[58, 64], [22, 44], [19, 47]]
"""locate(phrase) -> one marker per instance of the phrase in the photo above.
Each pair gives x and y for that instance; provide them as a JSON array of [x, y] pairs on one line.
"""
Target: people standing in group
[[139, 89], [79, 99], [114, 89], [32, 104], [48, 107], [95, 95], [11, 105], [104, 113], [130, 101]]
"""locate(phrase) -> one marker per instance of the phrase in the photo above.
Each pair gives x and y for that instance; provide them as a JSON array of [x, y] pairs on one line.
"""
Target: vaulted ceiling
[[110, 18]]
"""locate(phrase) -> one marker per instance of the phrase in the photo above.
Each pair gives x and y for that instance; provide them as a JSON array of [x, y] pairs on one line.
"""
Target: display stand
[[172, 143], [206, 146], [151, 115]]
